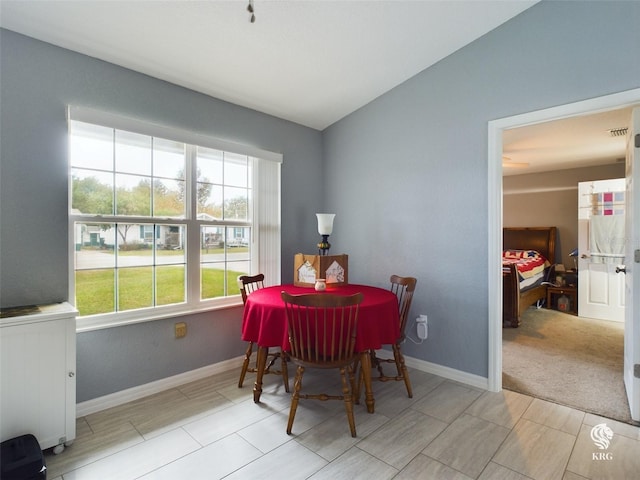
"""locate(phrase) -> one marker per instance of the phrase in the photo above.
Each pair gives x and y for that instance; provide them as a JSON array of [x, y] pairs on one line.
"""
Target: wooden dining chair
[[248, 284], [403, 288], [322, 333]]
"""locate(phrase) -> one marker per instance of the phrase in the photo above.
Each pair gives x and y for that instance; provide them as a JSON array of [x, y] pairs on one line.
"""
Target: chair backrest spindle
[[249, 284]]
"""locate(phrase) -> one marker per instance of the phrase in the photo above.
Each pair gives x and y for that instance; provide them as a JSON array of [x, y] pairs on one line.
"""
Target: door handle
[[584, 255], [621, 269]]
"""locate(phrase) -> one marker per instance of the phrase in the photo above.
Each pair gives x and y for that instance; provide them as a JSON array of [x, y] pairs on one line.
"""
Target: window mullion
[[193, 227]]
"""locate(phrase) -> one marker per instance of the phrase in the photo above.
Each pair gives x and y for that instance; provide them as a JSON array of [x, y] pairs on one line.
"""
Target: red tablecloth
[[264, 320]]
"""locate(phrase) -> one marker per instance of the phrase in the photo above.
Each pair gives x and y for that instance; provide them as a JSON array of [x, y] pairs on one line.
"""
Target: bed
[[518, 295]]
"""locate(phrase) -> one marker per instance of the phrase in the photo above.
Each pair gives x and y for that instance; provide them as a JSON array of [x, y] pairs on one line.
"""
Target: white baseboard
[[130, 394], [134, 393], [440, 370]]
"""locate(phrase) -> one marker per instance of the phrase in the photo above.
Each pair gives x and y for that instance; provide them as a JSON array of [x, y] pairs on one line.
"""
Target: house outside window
[[161, 224]]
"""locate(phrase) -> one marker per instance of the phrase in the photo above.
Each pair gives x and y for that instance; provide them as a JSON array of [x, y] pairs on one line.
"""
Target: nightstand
[[553, 293]]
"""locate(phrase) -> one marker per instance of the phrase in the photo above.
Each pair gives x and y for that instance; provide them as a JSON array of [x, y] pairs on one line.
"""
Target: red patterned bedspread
[[528, 262]]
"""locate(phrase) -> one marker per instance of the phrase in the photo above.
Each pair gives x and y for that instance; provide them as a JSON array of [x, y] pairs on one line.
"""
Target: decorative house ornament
[[335, 273], [334, 269], [306, 273]]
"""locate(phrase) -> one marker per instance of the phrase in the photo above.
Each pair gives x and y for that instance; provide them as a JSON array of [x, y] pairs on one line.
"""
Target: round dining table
[[264, 322]]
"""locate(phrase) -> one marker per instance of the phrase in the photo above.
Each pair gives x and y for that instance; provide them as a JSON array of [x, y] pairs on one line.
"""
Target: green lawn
[[95, 288]]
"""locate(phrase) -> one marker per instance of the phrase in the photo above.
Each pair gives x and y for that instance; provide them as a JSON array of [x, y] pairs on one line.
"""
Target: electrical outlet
[[422, 327], [181, 330]]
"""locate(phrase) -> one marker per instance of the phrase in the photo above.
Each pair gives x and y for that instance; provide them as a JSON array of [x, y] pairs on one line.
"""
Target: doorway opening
[[495, 184]]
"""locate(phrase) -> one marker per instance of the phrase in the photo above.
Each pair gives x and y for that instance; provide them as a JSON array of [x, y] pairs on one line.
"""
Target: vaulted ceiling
[[311, 62]]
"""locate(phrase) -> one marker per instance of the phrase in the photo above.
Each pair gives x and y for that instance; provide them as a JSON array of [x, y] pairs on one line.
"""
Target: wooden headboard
[[541, 239]]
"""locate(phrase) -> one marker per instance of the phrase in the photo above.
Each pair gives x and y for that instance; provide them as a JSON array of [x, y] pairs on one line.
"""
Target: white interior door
[[601, 249], [632, 265]]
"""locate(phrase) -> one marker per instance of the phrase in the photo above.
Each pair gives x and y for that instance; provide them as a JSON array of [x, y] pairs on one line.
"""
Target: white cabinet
[[38, 374]]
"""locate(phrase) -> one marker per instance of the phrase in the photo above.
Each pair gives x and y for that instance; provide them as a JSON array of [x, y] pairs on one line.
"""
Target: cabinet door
[[38, 381]]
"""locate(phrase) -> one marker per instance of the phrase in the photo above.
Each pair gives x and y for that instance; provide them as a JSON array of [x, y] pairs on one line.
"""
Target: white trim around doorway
[[496, 128]]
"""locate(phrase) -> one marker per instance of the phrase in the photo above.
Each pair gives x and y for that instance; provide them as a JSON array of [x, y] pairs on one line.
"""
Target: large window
[[164, 221]]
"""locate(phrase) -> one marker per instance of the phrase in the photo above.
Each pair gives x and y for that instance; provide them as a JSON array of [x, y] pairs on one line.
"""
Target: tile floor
[[211, 429]]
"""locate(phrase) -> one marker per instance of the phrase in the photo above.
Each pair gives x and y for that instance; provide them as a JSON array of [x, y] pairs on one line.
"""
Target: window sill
[[100, 322]]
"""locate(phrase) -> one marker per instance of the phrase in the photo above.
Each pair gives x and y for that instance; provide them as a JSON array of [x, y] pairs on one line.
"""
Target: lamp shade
[[325, 223]]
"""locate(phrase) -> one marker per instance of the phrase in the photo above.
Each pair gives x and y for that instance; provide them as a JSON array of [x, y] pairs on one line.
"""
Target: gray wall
[[414, 161], [37, 82], [551, 199]]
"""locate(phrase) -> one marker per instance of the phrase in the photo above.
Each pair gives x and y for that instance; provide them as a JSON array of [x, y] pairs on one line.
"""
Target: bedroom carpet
[[573, 361]]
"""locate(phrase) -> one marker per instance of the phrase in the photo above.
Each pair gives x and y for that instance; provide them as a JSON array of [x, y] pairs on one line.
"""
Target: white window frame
[[266, 221]]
